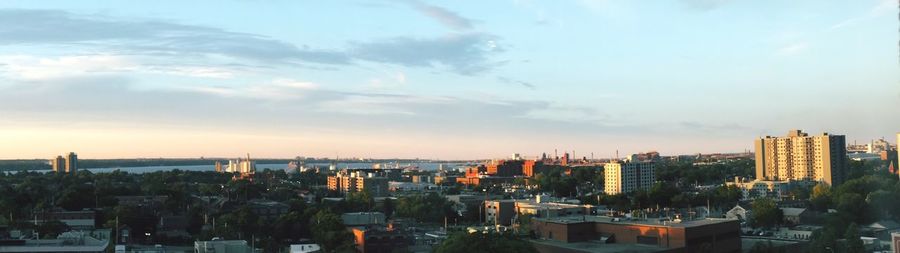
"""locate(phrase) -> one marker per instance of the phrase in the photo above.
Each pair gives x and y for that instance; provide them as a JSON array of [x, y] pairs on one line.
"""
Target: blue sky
[[430, 79]]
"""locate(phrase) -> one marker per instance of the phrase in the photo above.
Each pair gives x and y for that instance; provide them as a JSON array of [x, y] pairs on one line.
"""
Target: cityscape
[[582, 126]]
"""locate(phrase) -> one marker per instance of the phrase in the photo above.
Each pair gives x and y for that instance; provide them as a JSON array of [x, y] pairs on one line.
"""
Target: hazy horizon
[[447, 80]]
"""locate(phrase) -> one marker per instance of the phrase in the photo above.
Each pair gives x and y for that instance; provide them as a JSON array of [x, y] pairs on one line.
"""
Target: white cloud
[[27, 67], [276, 89], [205, 72], [290, 83], [381, 104], [883, 7], [32, 68], [388, 81]]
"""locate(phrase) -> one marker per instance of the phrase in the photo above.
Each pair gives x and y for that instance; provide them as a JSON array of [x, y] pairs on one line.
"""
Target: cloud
[[883, 7], [516, 82], [391, 80], [259, 106], [278, 89], [43, 27], [32, 68], [29, 67], [446, 17], [465, 54]]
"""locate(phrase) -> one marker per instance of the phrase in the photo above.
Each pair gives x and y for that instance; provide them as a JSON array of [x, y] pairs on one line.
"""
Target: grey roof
[[362, 218], [790, 211]]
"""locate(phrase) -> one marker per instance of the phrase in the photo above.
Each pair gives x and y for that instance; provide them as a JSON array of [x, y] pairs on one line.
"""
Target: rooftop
[[362, 218], [599, 247], [648, 222]]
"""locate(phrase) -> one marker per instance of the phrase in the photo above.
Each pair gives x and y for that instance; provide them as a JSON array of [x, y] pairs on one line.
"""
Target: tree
[[480, 242], [50, 229], [766, 213], [426, 208], [820, 198], [854, 205], [387, 207], [765, 247], [854, 244], [328, 230]]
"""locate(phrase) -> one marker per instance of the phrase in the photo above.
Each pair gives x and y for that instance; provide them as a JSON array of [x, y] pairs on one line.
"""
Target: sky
[[440, 79]]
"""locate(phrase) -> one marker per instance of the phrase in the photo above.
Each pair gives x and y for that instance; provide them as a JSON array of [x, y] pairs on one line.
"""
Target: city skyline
[[439, 80]]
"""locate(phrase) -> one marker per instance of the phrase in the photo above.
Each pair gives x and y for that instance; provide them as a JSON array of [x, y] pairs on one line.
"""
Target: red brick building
[[499, 172], [709, 235]]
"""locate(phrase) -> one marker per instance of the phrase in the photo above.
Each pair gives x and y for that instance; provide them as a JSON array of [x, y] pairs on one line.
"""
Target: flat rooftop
[[599, 247], [644, 222]]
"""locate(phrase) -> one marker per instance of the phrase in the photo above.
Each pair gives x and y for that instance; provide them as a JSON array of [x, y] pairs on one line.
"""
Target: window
[[649, 240]]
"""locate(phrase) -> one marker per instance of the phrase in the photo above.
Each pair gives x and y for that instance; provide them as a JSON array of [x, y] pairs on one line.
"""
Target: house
[[882, 229], [797, 216], [737, 213]]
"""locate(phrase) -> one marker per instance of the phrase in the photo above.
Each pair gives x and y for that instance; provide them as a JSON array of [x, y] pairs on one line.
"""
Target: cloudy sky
[[447, 80]]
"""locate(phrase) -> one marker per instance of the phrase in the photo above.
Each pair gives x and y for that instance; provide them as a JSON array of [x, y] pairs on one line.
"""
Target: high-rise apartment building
[[624, 177], [58, 164], [800, 157], [71, 162], [347, 182]]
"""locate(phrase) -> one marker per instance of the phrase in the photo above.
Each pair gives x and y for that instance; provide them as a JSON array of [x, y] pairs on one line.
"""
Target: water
[[429, 166]]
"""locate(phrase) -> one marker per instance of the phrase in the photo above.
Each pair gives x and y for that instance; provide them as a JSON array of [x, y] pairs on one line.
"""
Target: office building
[[800, 157], [71, 162], [625, 176], [58, 164], [608, 234]]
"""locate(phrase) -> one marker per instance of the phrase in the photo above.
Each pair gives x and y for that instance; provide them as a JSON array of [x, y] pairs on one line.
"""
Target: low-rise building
[[575, 233], [763, 189], [77, 220], [503, 212], [409, 186], [96, 241], [305, 248], [797, 216], [380, 239], [363, 219], [267, 209], [222, 246]]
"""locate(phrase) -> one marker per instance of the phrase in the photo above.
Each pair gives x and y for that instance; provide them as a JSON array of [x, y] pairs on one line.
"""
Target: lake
[[429, 166]]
